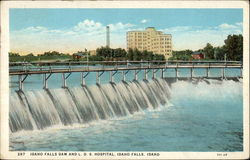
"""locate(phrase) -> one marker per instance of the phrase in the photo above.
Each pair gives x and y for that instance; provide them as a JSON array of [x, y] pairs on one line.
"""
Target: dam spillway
[[39, 109]]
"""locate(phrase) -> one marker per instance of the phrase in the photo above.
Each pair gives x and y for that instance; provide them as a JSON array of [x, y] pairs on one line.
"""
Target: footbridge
[[24, 69]]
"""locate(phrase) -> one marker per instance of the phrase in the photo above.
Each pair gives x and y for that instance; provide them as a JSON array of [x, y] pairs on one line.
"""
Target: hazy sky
[[70, 30]]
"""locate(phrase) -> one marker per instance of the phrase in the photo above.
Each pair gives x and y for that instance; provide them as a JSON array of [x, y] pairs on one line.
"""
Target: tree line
[[231, 50], [102, 53], [132, 54]]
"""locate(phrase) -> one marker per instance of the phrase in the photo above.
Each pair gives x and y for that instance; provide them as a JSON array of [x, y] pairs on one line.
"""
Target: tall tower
[[107, 37]]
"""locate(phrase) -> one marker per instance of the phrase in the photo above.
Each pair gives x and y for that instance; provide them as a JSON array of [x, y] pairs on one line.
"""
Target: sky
[[71, 30]]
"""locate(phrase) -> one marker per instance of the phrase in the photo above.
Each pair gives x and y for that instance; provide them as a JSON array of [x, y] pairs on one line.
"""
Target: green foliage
[[234, 47], [208, 51], [11, 54], [95, 58], [219, 53], [132, 54], [181, 55]]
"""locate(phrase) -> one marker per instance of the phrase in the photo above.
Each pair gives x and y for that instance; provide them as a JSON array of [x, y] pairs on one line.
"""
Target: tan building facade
[[150, 40]]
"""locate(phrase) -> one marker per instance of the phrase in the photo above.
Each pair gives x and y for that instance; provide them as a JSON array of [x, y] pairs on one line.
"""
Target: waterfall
[[40, 109]]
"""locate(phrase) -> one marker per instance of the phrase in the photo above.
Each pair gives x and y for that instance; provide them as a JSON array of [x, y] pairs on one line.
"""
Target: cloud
[[120, 27], [85, 34], [227, 26], [88, 26], [178, 29], [144, 21], [91, 34], [196, 37]]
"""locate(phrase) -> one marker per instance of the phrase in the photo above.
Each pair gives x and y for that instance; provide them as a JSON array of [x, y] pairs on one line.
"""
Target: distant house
[[77, 56], [197, 55]]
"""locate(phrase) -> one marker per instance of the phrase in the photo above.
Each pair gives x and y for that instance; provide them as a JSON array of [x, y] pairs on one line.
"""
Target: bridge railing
[[23, 70], [46, 66]]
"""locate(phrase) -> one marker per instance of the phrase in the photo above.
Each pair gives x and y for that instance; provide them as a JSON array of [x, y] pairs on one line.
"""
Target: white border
[[5, 5]]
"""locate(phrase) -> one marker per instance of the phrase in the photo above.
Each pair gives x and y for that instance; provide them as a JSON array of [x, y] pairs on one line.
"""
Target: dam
[[143, 111]]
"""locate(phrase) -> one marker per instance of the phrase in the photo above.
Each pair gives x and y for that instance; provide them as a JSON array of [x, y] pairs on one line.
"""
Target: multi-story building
[[150, 40]]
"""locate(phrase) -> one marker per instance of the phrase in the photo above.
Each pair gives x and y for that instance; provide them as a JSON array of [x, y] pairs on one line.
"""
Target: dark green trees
[[181, 55], [132, 54], [208, 51], [234, 47]]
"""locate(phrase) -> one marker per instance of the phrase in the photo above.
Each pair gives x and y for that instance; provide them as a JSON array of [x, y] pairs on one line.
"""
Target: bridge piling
[[64, 81], [162, 73], [223, 73], [123, 75], [111, 76], [191, 72], [97, 78], [64, 78], [241, 72], [45, 80], [176, 73], [98, 75], [145, 74], [153, 76], [21, 81], [82, 79], [45, 84], [207, 72], [83, 82], [135, 75]]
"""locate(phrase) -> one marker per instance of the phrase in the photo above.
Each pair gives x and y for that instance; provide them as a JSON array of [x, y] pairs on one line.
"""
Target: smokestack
[[107, 37]]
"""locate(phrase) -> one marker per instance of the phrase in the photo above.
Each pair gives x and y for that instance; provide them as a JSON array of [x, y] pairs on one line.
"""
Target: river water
[[153, 115]]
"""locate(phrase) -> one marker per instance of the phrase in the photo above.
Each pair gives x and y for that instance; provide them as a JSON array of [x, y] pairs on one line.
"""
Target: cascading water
[[39, 109], [130, 116]]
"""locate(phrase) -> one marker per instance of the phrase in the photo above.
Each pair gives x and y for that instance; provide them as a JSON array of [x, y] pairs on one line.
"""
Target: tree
[[208, 51], [159, 57], [219, 53], [181, 55], [137, 55], [11, 54], [130, 54], [119, 53], [234, 47], [30, 55]]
